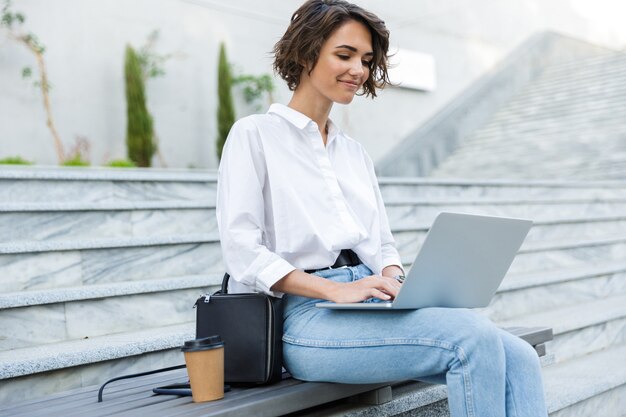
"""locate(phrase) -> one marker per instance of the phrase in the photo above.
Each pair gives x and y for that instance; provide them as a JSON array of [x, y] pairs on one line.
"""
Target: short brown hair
[[312, 24]]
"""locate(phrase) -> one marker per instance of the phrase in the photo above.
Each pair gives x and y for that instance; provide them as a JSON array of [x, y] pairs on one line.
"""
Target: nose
[[356, 68]]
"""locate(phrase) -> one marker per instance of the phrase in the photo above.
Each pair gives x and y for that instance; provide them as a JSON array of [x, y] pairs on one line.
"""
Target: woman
[[297, 195]]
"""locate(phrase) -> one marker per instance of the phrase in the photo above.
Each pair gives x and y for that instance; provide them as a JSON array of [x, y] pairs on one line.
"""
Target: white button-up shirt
[[285, 201]]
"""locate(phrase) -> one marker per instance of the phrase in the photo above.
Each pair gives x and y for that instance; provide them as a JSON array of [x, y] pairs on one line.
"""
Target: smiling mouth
[[350, 84]]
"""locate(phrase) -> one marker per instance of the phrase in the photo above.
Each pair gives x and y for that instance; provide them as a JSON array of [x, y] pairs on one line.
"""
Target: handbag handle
[[224, 289]]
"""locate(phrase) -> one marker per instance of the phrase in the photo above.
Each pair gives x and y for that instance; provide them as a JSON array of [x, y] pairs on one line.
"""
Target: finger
[[391, 285], [379, 294], [391, 288]]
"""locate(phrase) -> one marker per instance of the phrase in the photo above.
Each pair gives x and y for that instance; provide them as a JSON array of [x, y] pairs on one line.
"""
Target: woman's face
[[342, 66]]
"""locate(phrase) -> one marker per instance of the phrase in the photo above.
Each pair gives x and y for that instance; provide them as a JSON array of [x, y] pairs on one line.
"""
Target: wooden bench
[[135, 397]]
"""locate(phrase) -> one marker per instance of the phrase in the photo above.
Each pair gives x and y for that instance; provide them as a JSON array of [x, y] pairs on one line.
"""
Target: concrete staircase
[[99, 271], [568, 123]]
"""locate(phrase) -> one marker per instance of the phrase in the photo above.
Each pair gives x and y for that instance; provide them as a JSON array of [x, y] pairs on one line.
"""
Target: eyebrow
[[353, 49]]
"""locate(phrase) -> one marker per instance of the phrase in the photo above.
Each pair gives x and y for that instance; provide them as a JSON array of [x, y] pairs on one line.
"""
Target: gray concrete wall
[[85, 45]]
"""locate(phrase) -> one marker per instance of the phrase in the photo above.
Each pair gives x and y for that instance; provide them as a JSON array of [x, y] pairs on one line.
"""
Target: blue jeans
[[488, 371]]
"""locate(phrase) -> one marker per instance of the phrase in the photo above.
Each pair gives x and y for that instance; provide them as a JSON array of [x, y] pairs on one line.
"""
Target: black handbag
[[251, 326]]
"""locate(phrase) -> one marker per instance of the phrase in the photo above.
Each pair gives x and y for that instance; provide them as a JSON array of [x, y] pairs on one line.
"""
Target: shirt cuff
[[271, 275], [395, 262]]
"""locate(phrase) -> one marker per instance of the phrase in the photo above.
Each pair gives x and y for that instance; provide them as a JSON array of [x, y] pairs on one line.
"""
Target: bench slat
[[282, 401]]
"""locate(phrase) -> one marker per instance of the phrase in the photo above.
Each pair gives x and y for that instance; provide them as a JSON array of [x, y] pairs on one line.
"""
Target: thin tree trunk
[[158, 151], [58, 144]]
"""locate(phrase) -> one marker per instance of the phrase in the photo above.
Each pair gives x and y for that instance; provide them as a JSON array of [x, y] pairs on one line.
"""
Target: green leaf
[[7, 20], [26, 72]]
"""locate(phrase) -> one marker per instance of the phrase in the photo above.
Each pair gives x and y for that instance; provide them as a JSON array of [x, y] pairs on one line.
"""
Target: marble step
[[545, 228], [586, 82], [39, 222], [536, 256], [425, 210], [564, 101], [87, 312], [46, 185], [51, 368], [594, 65], [556, 148], [592, 385], [25, 222], [55, 264], [554, 142], [100, 291], [576, 119], [555, 89], [525, 144], [569, 253], [84, 185], [568, 96], [603, 60], [524, 294], [580, 329], [413, 188], [110, 308]]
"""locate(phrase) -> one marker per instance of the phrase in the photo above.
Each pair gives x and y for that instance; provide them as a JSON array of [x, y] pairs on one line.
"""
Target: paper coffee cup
[[205, 367]]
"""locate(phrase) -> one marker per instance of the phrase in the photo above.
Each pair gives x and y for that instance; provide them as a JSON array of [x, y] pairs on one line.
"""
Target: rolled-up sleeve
[[390, 255], [240, 212]]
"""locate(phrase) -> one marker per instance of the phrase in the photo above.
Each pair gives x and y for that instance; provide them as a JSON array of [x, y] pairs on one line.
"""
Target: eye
[[366, 63], [343, 57]]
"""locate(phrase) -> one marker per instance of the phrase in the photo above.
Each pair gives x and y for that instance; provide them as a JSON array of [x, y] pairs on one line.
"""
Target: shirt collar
[[294, 117], [298, 119]]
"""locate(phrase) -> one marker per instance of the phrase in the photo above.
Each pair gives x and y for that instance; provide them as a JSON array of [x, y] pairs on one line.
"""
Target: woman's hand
[[377, 286]]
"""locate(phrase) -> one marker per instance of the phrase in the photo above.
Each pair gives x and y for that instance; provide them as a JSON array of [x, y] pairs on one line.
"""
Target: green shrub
[[139, 131], [254, 87], [15, 160], [76, 161], [121, 163], [225, 109]]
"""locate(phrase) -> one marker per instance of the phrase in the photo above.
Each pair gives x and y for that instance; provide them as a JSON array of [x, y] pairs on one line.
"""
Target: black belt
[[346, 258]]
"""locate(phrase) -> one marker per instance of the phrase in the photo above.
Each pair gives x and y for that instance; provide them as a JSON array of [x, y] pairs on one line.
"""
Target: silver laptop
[[461, 263]]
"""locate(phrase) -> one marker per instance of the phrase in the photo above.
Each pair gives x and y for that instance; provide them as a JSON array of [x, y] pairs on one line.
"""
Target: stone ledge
[[384, 180], [569, 318], [423, 227], [105, 174], [174, 175], [407, 396], [31, 360], [193, 204], [566, 66], [502, 201], [536, 279], [90, 292], [104, 243], [106, 206], [554, 245], [576, 380], [571, 244]]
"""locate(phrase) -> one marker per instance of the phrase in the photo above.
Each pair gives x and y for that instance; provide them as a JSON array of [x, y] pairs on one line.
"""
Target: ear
[[306, 66]]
